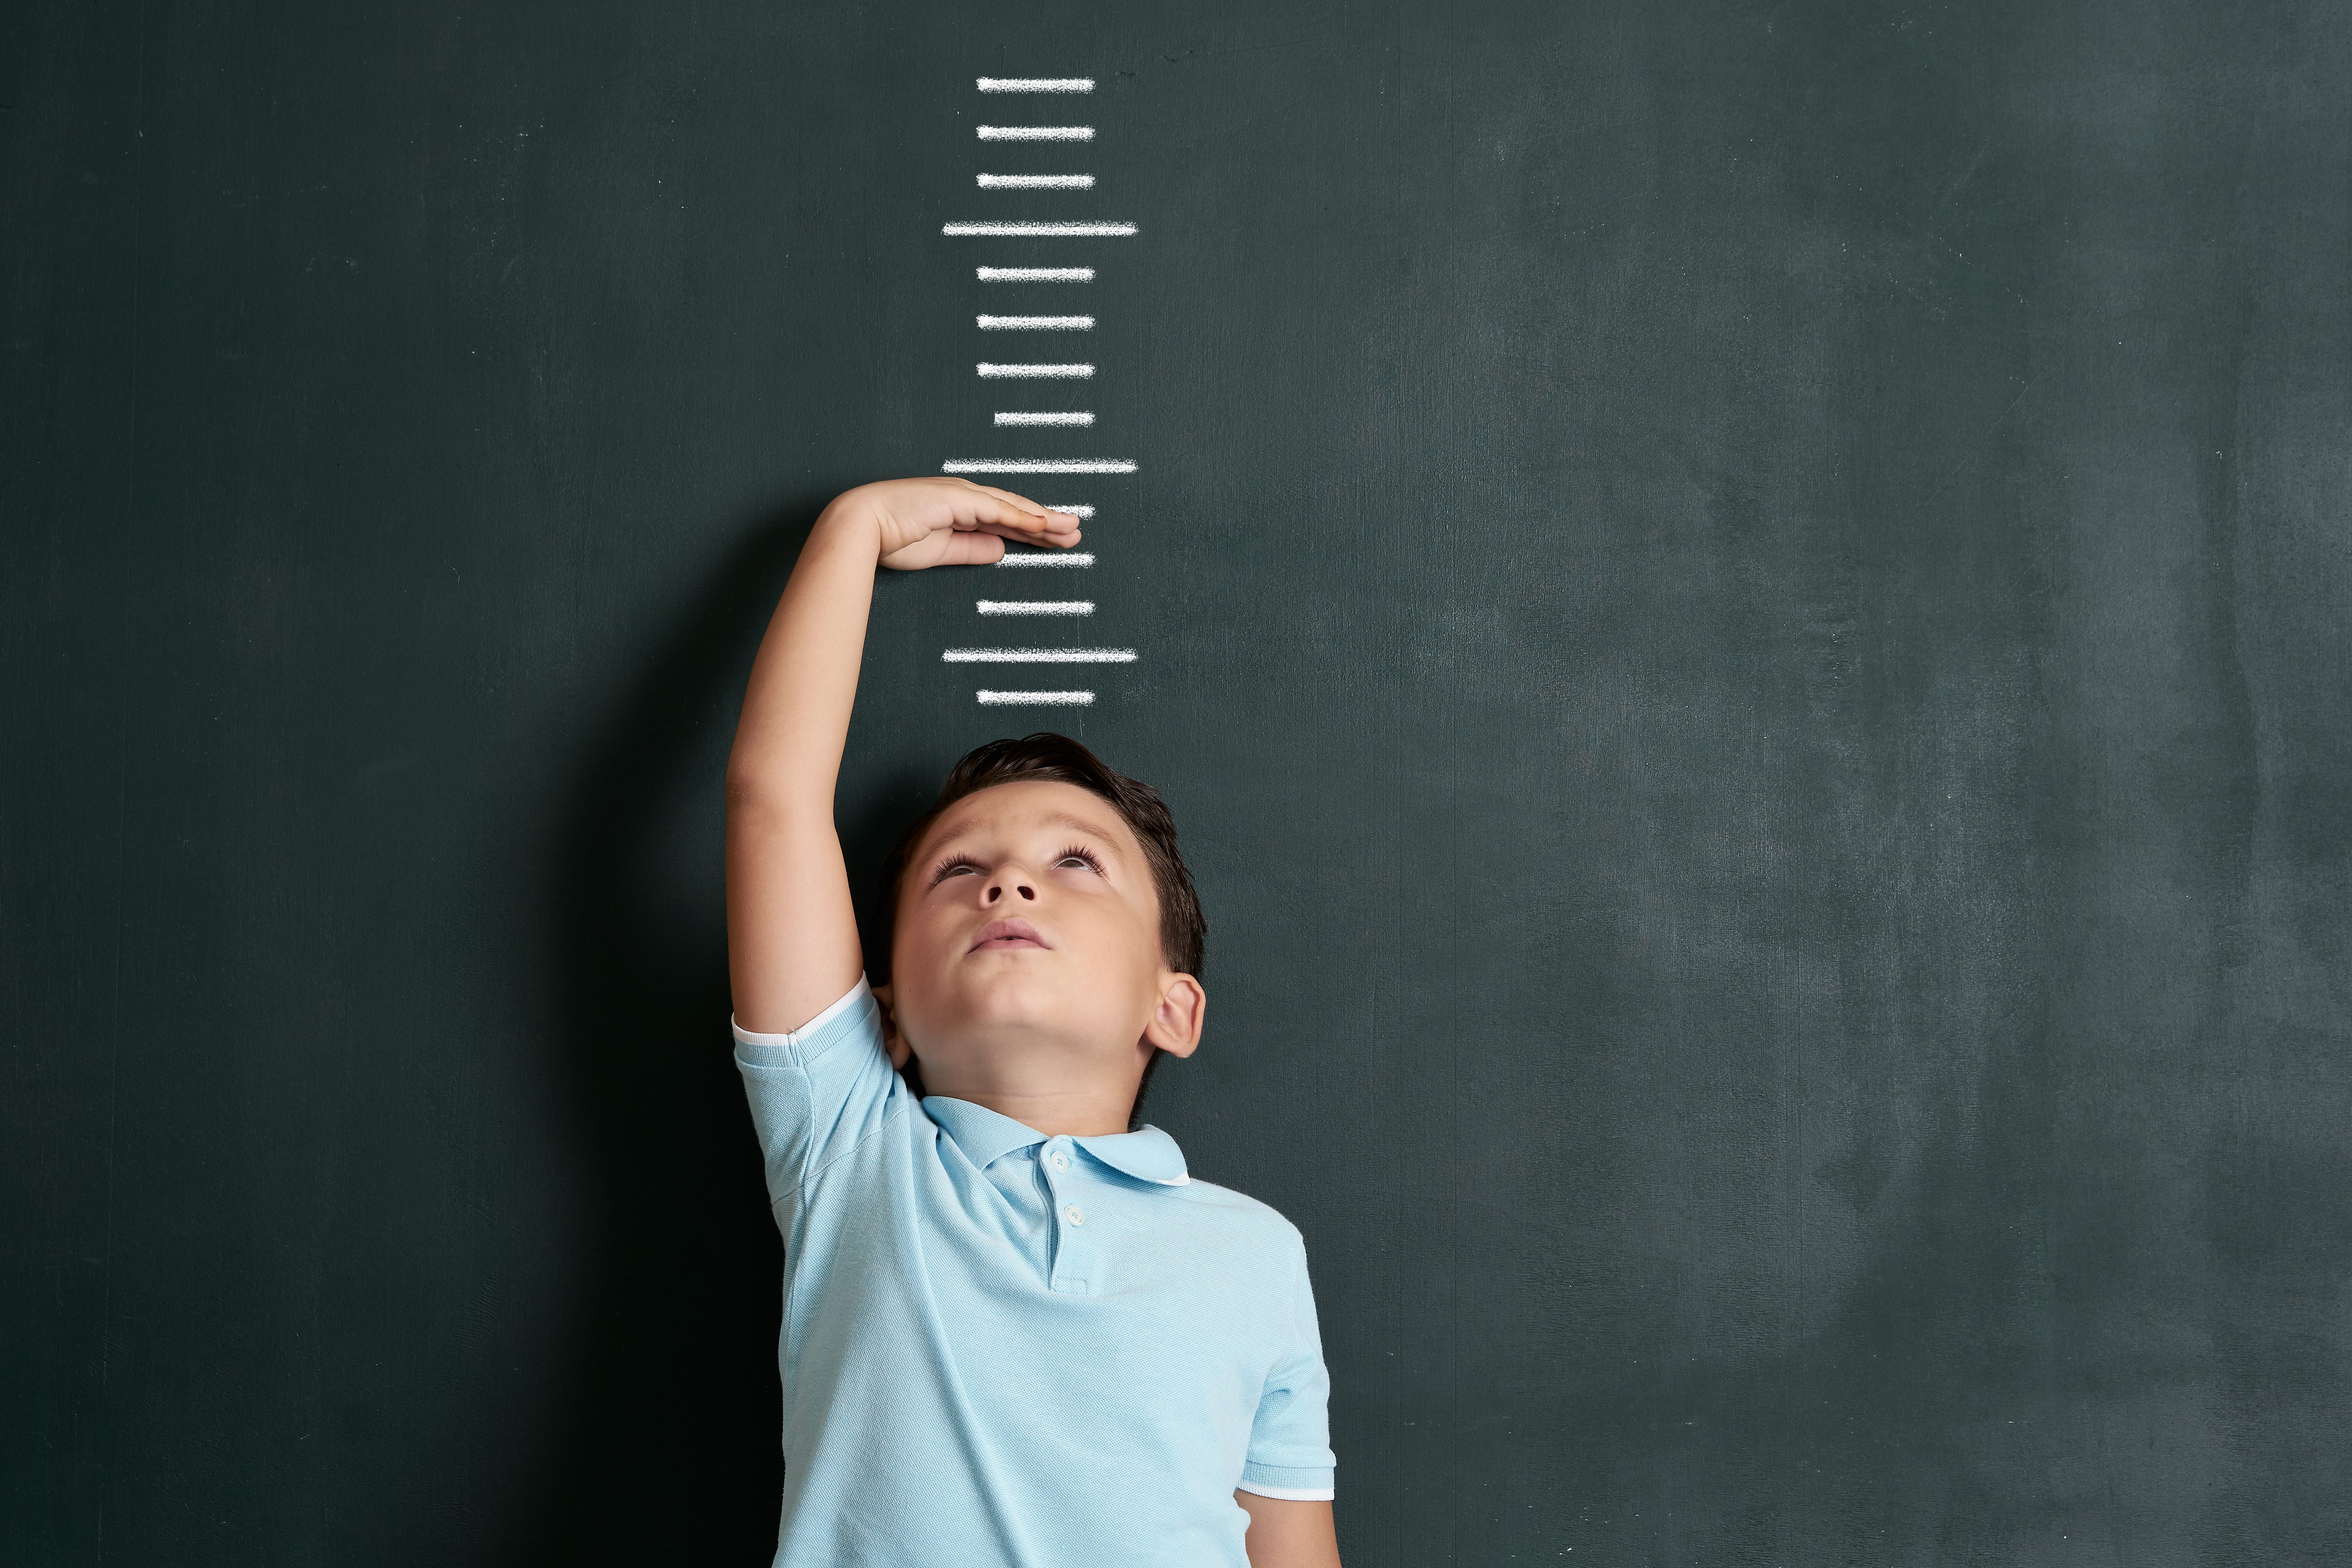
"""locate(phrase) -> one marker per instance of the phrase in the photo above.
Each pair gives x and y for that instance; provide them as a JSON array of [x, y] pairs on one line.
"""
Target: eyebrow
[[1059, 819]]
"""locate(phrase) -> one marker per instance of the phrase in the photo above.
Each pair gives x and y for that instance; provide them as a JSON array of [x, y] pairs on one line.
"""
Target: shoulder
[[1242, 1216]]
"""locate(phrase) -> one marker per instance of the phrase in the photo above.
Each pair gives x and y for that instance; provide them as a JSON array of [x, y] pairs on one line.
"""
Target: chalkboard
[[1742, 608]]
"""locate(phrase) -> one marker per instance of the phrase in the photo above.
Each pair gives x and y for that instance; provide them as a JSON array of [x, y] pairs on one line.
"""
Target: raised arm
[[791, 936]]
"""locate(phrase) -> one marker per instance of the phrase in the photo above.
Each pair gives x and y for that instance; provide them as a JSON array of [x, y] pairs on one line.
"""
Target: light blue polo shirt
[[1002, 1348]]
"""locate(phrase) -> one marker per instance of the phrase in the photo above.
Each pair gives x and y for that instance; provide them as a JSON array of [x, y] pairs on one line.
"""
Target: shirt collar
[[986, 1136]]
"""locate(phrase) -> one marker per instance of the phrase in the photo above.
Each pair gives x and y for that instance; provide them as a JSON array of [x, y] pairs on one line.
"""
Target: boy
[[1016, 1332]]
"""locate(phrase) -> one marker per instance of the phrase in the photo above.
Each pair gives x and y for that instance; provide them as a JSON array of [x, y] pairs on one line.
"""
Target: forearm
[[792, 933]]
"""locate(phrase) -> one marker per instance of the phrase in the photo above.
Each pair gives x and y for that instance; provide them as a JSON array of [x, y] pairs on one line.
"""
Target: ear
[[892, 1041], [1175, 1025]]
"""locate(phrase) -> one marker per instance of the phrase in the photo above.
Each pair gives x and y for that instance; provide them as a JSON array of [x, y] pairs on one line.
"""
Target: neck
[[1082, 1112]]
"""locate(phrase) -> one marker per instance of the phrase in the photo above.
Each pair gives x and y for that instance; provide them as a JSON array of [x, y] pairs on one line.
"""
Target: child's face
[[1028, 944]]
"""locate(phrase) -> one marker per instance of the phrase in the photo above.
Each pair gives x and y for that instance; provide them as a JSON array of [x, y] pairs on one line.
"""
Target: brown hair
[[1048, 758]]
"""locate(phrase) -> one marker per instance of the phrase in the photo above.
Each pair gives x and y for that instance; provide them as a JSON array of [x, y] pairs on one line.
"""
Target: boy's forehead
[[1028, 806]]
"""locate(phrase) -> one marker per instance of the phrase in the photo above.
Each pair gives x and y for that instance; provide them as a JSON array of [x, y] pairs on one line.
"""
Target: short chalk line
[[1036, 84], [1036, 274], [1036, 324], [1004, 417], [1036, 606], [1035, 182], [1035, 698], [1048, 558], [1038, 466], [1035, 371], [1086, 513], [1036, 132], [1038, 656], [1040, 230]]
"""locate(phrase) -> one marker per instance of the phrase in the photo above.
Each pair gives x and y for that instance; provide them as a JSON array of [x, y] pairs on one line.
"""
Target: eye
[[956, 866], [1080, 857]]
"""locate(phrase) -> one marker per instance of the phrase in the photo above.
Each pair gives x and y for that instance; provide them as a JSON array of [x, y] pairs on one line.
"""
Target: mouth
[[1004, 936]]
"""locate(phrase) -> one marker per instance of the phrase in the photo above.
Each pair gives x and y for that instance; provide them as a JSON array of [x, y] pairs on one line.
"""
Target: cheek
[[913, 952]]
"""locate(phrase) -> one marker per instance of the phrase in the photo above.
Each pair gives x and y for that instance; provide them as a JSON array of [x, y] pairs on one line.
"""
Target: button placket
[[1069, 1271]]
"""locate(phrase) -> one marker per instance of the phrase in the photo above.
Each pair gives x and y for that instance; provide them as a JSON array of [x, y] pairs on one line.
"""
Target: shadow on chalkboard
[[662, 1434]]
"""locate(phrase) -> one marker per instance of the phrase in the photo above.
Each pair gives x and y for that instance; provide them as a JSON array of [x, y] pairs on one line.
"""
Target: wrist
[[849, 523]]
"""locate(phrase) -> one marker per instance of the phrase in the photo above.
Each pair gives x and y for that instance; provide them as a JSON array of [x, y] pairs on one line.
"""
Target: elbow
[[752, 790]]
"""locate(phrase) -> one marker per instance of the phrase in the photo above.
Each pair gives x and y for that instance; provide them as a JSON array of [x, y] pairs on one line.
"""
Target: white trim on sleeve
[[1288, 1494], [797, 1036]]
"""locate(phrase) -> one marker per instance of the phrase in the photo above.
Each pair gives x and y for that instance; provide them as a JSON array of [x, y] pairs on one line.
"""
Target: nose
[[1011, 882]]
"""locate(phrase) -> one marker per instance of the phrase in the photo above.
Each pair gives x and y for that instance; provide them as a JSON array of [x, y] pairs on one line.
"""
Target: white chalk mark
[[1035, 182], [1036, 84], [1035, 371], [1049, 557], [1036, 606], [1038, 466], [1036, 324], [1004, 418], [1085, 513], [1036, 274], [1036, 132], [1035, 698], [1038, 656], [1040, 230]]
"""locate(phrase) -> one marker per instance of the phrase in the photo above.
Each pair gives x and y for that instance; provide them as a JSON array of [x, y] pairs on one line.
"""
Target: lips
[[1006, 936]]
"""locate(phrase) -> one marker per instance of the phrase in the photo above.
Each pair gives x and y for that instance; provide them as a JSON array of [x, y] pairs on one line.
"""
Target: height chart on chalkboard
[[1043, 307]]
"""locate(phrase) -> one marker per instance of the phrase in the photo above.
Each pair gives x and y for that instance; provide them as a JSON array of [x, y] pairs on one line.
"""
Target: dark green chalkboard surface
[[1743, 608]]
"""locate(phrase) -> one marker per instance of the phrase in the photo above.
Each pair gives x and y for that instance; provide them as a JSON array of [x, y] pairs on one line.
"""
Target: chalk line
[[1048, 558], [1036, 84], [1036, 606], [1006, 418], [1036, 324], [1036, 132], [1035, 698], [1035, 182], [1086, 513], [1042, 230], [1036, 274], [1035, 371], [1038, 466], [1038, 656]]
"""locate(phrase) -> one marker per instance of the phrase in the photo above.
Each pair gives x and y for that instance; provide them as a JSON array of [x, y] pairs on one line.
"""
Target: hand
[[954, 522]]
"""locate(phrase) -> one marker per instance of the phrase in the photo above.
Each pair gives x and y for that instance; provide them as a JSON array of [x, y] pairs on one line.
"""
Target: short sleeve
[[1290, 1441], [818, 1092]]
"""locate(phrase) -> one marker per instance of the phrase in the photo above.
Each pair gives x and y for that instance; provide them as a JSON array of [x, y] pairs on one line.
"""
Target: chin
[[1008, 1003]]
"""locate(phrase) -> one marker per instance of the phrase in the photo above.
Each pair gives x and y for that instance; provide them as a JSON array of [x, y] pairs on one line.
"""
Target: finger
[[973, 550], [968, 500], [1007, 504], [1020, 501], [1064, 535]]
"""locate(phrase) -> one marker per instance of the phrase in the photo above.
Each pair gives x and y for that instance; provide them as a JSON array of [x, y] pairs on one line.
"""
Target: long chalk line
[[1049, 558], [1085, 513], [1038, 656], [1036, 132], [1037, 323], [1035, 698], [1035, 182], [1035, 371], [1038, 466], [1004, 417], [1042, 230], [1036, 606], [1036, 274], [1036, 84]]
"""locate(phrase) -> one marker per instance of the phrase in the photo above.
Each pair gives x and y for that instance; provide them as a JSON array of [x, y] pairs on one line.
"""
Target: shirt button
[[1075, 1215], [1061, 1161]]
